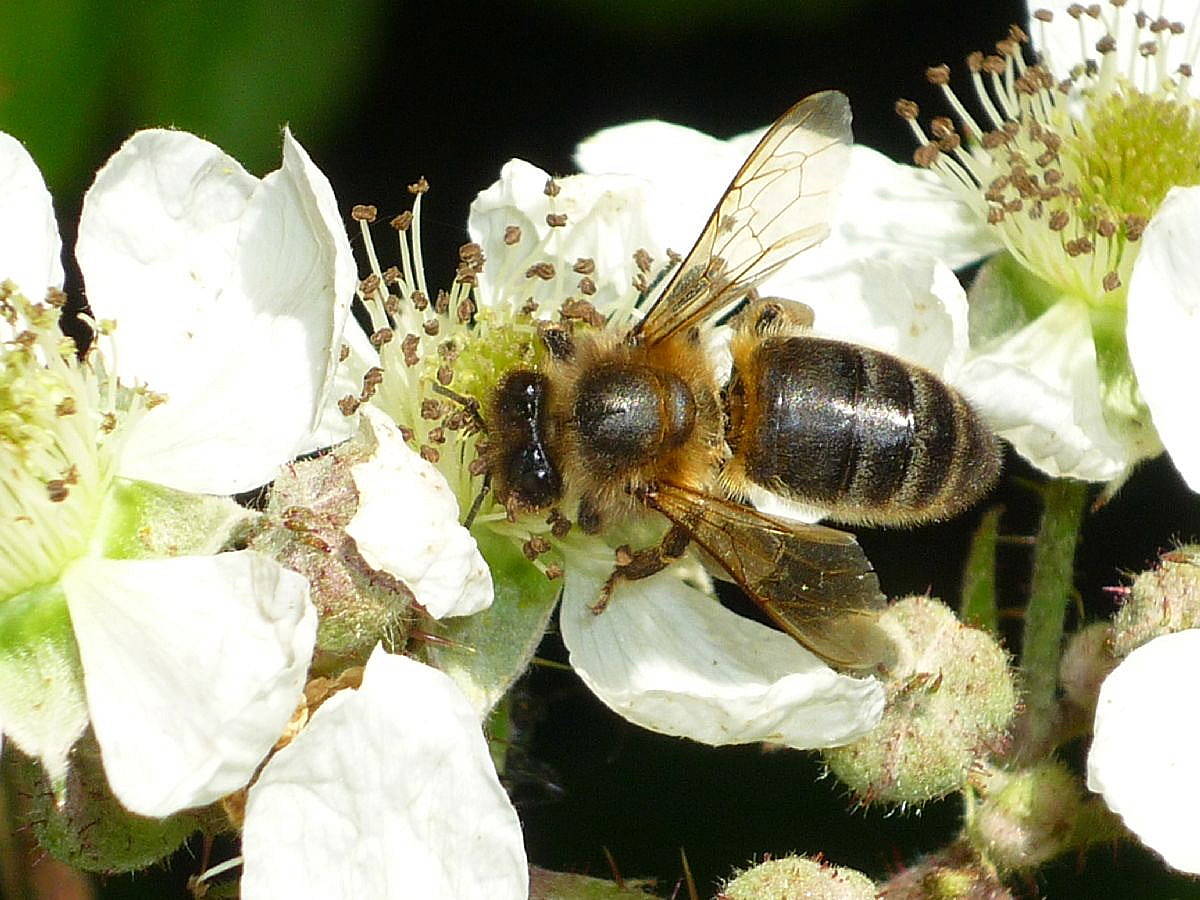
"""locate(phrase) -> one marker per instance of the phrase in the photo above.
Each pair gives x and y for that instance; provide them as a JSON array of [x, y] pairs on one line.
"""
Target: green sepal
[[85, 826], [491, 649], [150, 521], [43, 708]]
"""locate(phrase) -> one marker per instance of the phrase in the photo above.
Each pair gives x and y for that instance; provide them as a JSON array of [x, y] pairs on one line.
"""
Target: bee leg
[[633, 565], [775, 317]]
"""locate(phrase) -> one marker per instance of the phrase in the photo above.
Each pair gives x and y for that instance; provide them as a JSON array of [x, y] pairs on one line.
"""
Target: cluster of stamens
[[1069, 171], [59, 438], [439, 358]]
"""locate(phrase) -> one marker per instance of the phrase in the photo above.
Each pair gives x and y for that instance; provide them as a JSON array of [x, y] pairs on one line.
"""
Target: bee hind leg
[[633, 565]]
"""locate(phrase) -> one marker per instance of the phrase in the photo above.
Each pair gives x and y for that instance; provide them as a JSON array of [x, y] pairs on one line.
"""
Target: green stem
[[1050, 592]]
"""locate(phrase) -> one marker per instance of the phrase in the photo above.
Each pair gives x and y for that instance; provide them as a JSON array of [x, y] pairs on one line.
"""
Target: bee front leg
[[633, 565]]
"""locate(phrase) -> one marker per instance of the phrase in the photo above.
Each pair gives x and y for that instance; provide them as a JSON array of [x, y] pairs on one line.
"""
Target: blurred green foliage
[[77, 76]]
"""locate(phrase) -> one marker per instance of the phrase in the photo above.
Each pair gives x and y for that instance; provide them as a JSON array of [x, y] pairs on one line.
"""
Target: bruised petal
[[672, 659], [388, 791], [192, 665], [1144, 754], [407, 525]]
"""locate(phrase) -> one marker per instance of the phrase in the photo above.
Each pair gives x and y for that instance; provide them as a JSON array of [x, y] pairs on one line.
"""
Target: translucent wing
[[777, 206], [814, 582]]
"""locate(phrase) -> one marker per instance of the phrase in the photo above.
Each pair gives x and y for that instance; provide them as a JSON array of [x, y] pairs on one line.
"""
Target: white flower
[[228, 294], [1082, 166], [1144, 758], [538, 242], [388, 791]]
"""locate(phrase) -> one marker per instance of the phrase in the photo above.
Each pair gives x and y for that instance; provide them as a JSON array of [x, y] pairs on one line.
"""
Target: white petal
[[606, 223], [1163, 326], [887, 207], [407, 525], [388, 792], [913, 307], [669, 658], [884, 206], [229, 294], [30, 248], [688, 169], [1145, 756], [335, 426], [1039, 389], [193, 665]]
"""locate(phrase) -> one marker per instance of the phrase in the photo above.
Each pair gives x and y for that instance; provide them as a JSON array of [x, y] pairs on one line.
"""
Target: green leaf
[[979, 577]]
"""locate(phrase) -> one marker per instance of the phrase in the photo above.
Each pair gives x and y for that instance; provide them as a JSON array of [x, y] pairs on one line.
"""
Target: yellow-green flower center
[[63, 420], [52, 446], [1129, 149], [1070, 172]]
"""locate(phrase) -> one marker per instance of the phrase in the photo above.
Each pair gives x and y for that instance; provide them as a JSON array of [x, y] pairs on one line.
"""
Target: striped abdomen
[[863, 434]]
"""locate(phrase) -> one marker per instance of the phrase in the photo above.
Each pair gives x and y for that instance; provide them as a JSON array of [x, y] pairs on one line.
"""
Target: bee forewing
[[778, 205], [815, 582]]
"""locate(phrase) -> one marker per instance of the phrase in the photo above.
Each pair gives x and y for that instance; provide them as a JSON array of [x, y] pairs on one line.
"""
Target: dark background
[[381, 94]]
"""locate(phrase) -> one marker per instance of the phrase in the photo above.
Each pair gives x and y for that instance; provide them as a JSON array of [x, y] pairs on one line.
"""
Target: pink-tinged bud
[[950, 699], [1161, 601]]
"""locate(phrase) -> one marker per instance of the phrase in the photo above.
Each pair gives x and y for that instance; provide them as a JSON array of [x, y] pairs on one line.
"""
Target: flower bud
[[1026, 818], [955, 873], [89, 829], [796, 876], [950, 699], [1161, 601], [310, 505], [1085, 664]]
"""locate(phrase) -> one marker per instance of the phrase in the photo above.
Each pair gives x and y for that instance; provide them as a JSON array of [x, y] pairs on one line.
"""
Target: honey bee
[[622, 422]]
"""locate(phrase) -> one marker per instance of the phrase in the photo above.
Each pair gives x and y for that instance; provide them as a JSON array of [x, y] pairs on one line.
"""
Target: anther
[[381, 337], [584, 266], [512, 235], [926, 155], [408, 347], [556, 220], [363, 212], [421, 186], [552, 188], [938, 75], [542, 270], [402, 221]]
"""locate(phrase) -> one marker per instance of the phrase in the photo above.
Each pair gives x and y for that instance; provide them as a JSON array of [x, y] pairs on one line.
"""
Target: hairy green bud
[[950, 699]]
